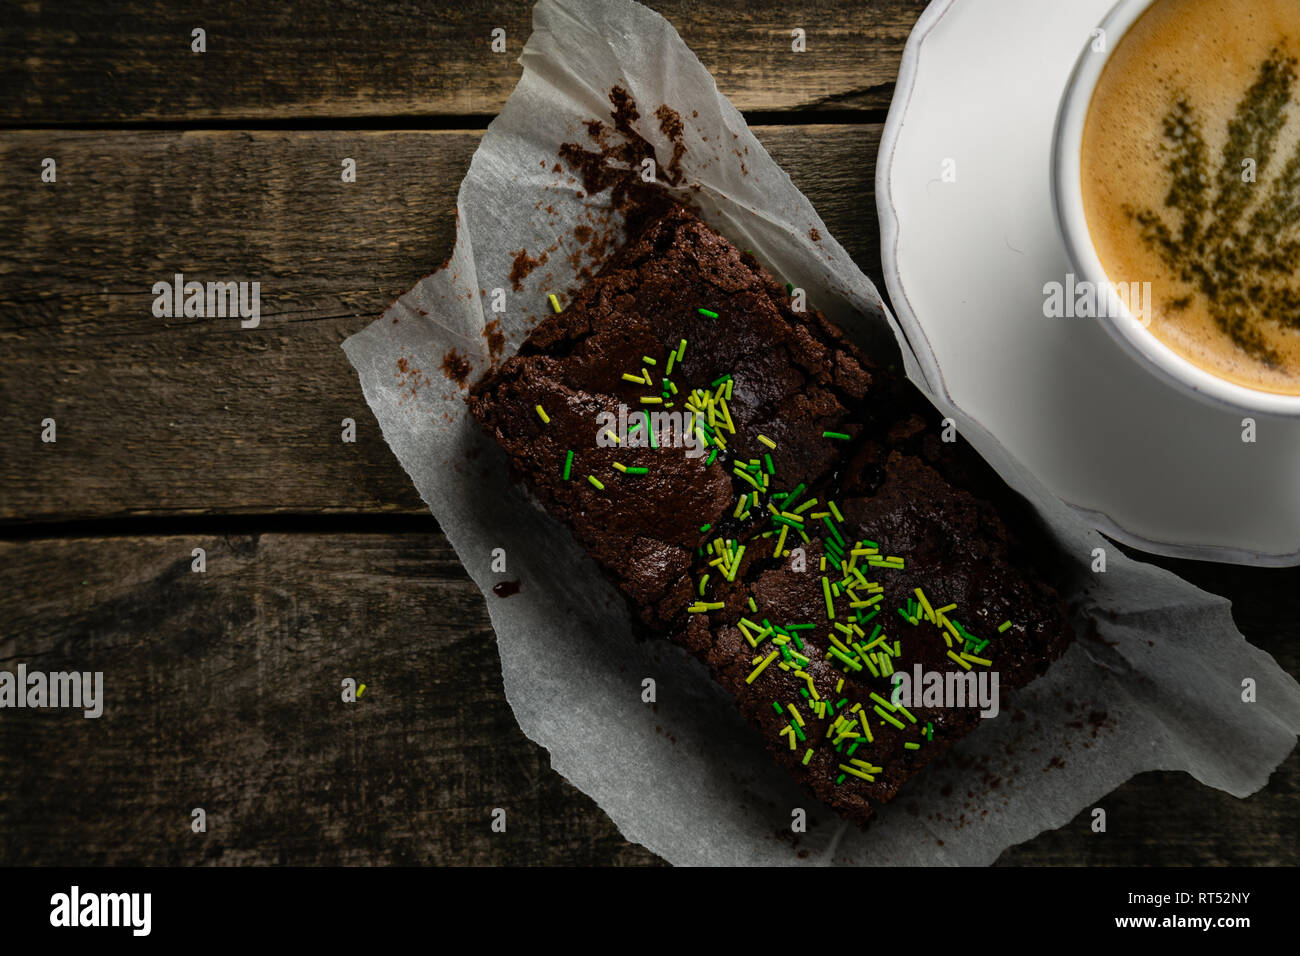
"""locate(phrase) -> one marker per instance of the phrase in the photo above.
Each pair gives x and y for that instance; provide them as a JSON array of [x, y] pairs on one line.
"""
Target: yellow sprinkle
[[555, 303], [701, 606], [925, 605], [857, 773], [596, 481], [651, 400], [945, 609], [767, 441], [866, 729], [541, 413], [798, 719], [977, 660], [780, 542], [963, 663], [759, 669], [952, 630], [636, 379], [610, 434], [620, 466]]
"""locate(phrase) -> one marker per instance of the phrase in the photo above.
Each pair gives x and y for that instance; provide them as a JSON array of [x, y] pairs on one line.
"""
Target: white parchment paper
[[1154, 683]]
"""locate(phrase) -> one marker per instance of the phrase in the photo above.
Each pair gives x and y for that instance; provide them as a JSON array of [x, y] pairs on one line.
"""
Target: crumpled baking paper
[[1155, 682]]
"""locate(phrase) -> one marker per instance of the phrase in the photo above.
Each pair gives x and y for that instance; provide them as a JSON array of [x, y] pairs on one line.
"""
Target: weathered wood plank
[[81, 61], [168, 416], [222, 692]]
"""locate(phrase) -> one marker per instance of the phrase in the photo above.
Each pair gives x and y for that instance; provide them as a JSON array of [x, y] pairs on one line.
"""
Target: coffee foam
[[1210, 51]]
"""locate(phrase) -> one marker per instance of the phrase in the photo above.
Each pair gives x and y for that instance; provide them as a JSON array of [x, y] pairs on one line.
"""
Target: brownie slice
[[682, 290], [960, 600], [819, 538]]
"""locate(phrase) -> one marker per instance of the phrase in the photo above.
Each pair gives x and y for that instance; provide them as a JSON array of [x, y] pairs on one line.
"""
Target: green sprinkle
[[596, 482], [568, 464], [681, 350], [771, 468], [890, 718], [807, 756], [840, 435], [705, 527], [709, 312], [911, 746], [712, 455], [636, 471], [754, 607], [777, 708], [668, 369], [789, 288], [1004, 626]]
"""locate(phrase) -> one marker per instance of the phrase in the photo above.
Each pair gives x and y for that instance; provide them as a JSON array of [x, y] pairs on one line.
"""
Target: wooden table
[[322, 563]]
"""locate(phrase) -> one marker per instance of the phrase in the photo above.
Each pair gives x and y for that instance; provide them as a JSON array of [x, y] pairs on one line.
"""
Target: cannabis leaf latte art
[[1191, 181]]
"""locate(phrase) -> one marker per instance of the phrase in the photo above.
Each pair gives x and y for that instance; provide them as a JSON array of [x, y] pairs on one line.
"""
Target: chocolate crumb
[[524, 264], [505, 589], [456, 367], [496, 339]]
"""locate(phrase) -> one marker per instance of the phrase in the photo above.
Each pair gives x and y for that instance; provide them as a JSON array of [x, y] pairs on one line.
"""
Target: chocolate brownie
[[912, 576], [680, 312], [799, 526]]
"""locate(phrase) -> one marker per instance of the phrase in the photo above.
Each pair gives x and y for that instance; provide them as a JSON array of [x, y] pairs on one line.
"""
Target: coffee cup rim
[[1071, 220]]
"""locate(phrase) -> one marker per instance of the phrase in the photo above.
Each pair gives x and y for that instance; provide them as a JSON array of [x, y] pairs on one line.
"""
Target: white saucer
[[965, 263]]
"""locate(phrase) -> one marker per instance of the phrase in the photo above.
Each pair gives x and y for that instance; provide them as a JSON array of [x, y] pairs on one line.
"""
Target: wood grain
[[223, 692], [80, 61], [185, 416]]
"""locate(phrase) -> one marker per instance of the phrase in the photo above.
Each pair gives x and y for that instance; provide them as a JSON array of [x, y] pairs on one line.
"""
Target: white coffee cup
[[1130, 332]]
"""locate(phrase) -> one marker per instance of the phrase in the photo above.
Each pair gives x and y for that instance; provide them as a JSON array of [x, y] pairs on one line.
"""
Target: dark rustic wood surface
[[322, 562], [260, 408], [81, 61]]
